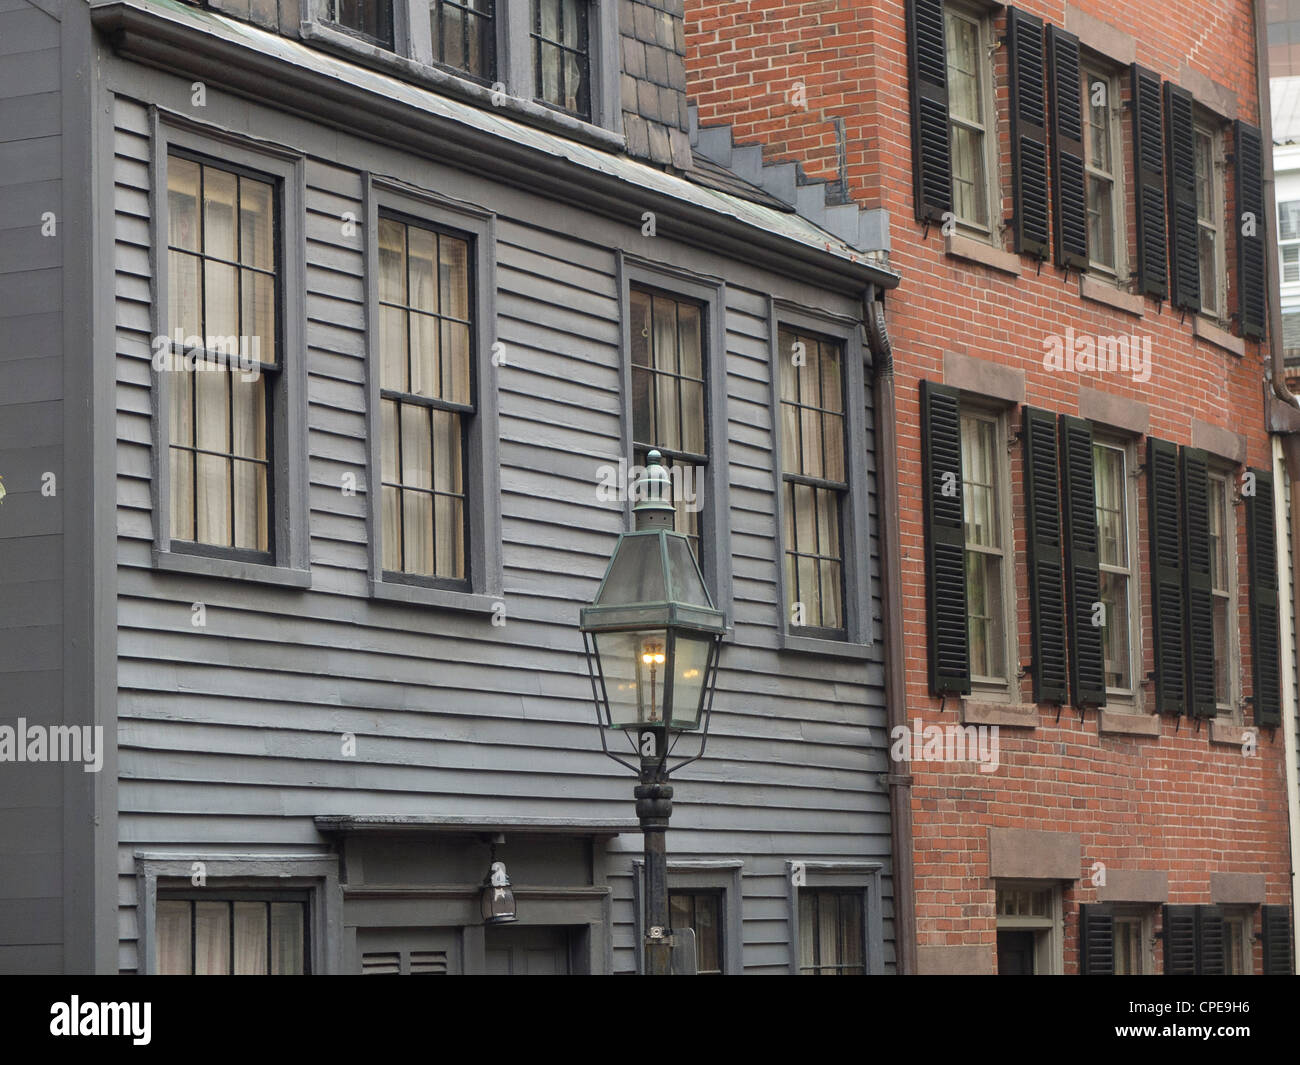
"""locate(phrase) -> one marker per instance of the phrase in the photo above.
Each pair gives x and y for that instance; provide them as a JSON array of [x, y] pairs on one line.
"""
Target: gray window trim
[[317, 873], [484, 477], [725, 875], [412, 59], [860, 466], [711, 292], [290, 530], [869, 876]]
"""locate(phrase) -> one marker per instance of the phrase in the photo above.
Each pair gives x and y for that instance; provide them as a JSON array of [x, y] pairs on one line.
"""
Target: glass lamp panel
[[690, 662], [633, 665], [686, 586], [636, 573]]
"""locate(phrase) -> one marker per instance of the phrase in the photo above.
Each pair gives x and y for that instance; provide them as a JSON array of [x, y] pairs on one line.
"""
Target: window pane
[[183, 288], [256, 225], [1098, 118], [182, 494], [969, 201], [1101, 221], [1205, 176], [1209, 270], [392, 350], [392, 261], [258, 327], [182, 203], [220, 301], [455, 363], [422, 250], [980, 500], [251, 523], [172, 926], [213, 500], [417, 533], [211, 938], [963, 69], [220, 191], [807, 931], [417, 471], [250, 939], [985, 614], [1110, 488], [1115, 630], [1222, 693], [372, 18], [392, 529], [426, 365], [287, 938], [453, 277]]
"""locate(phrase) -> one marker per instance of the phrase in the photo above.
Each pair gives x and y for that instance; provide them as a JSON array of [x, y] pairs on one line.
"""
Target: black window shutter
[[1262, 571], [1069, 194], [1252, 289], [1180, 166], [945, 540], [1197, 582], [927, 59], [1275, 931], [1149, 167], [1028, 132], [1179, 933], [1082, 579], [1097, 939], [1046, 584], [1164, 526], [1211, 941]]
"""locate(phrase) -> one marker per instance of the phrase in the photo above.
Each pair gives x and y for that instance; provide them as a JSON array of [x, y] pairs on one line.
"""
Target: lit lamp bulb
[[652, 655]]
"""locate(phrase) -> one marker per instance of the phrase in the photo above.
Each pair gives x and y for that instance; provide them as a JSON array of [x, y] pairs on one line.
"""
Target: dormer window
[[464, 36], [561, 55], [371, 20]]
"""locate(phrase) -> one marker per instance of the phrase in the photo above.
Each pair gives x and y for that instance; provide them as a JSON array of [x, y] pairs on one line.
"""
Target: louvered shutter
[[1082, 578], [1262, 571], [928, 66], [1164, 526], [1211, 941], [1275, 931], [1097, 939], [1149, 166], [1252, 286], [945, 540], [1046, 583], [1198, 592], [1180, 168], [1069, 193], [1028, 132], [1179, 933]]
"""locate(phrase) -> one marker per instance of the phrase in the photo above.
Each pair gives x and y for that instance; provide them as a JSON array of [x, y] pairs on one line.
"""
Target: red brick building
[[1137, 803]]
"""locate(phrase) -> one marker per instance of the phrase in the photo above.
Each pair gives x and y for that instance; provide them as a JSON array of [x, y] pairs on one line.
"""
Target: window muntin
[[982, 496], [968, 117], [464, 36], [561, 55], [426, 399], [1223, 584], [830, 932], [1104, 202], [668, 393], [701, 911], [1110, 476], [814, 479], [1128, 946], [369, 19], [223, 290], [1209, 219], [247, 935]]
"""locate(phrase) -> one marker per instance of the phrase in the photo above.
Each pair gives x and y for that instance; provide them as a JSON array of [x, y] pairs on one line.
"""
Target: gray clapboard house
[[339, 326]]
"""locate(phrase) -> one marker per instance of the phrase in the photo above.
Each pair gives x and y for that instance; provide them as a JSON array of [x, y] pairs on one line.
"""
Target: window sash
[[1223, 591], [831, 924], [1105, 233], [984, 524], [572, 56], [371, 20], [702, 912], [480, 14], [233, 936], [1209, 215], [968, 120], [1114, 509]]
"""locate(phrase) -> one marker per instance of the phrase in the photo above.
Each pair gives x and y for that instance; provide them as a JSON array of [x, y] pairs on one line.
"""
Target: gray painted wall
[[230, 734]]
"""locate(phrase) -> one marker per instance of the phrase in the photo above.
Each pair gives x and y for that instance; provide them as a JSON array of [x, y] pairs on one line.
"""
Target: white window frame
[[1008, 686], [1144, 918], [1243, 916], [1232, 710], [513, 90], [989, 141], [1128, 700], [1094, 72], [1212, 307], [1049, 939]]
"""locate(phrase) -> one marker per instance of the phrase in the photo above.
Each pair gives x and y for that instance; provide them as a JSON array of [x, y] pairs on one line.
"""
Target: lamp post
[[652, 638]]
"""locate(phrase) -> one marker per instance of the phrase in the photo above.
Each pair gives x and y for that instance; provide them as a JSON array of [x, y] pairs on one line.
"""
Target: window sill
[[1128, 723], [815, 645], [1107, 292], [981, 711], [439, 598], [972, 250], [1206, 330], [230, 569], [342, 44], [1229, 735]]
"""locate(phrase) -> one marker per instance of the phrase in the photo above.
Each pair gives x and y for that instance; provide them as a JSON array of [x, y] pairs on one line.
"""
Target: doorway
[[527, 950]]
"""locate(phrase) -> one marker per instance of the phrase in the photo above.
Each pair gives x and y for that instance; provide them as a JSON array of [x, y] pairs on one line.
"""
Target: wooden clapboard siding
[[231, 734], [33, 804]]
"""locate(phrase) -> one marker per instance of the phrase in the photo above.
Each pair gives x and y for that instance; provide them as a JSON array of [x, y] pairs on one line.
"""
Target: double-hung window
[[986, 534], [223, 295], [1102, 166], [426, 399], [831, 935], [815, 480], [668, 397], [1209, 219], [970, 101], [464, 36], [1115, 536], [562, 55], [1223, 589]]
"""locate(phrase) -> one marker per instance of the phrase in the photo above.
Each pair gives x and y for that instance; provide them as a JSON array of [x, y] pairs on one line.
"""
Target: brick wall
[[781, 72]]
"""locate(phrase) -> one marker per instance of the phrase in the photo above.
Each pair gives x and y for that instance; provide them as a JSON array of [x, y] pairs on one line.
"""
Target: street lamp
[[652, 639]]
